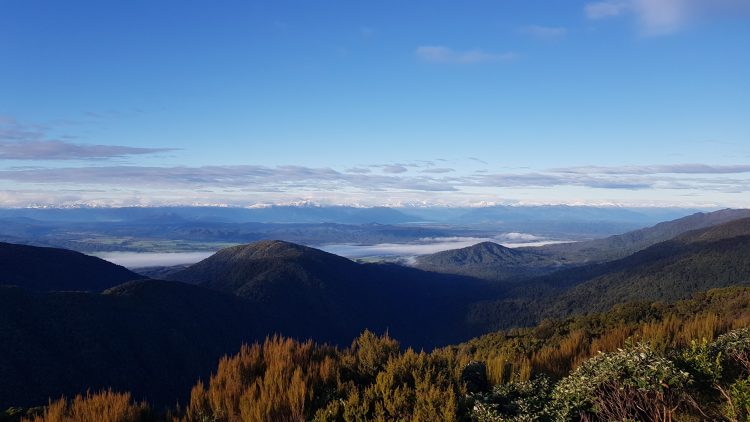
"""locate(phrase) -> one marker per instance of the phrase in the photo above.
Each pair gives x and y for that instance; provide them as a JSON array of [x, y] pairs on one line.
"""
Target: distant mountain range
[[350, 214], [73, 325], [141, 229], [267, 214]]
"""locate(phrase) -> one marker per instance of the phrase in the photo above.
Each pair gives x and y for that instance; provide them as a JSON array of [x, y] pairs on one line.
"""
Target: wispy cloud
[[236, 184], [478, 160], [546, 33], [689, 168], [62, 150], [360, 170], [525, 180], [32, 142], [442, 54], [395, 169], [660, 17], [255, 177], [438, 170]]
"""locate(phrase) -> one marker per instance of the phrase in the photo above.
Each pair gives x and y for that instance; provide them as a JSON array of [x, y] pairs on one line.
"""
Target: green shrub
[[516, 401], [634, 383]]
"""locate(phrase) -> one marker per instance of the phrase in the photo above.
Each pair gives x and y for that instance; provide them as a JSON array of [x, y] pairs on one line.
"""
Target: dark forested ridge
[[58, 269], [668, 271], [695, 261], [155, 339]]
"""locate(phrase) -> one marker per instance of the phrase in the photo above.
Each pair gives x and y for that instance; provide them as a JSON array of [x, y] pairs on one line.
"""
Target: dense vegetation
[[651, 362], [152, 338], [622, 245], [490, 261], [315, 294], [58, 269], [695, 261]]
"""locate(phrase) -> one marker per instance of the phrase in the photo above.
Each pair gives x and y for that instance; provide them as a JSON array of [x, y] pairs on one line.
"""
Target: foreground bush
[[635, 383], [688, 361], [106, 406], [524, 401]]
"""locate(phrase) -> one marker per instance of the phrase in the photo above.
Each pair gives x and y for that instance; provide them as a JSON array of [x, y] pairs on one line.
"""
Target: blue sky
[[631, 102]]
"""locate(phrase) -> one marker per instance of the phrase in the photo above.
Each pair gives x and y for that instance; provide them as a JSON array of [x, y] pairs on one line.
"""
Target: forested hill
[[619, 246], [154, 338], [495, 262], [316, 294], [699, 260], [490, 261], [696, 261], [40, 268]]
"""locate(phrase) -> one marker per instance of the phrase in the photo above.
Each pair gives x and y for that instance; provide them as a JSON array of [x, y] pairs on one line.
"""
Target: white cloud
[[660, 17], [689, 168], [438, 170], [395, 169], [247, 184], [442, 54], [360, 170]]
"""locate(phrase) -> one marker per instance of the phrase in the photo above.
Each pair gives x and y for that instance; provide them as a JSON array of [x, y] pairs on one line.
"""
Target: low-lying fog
[[405, 250], [424, 247], [153, 259]]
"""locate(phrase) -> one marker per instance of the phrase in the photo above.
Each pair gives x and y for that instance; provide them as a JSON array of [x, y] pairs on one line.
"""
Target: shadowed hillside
[[39, 268], [619, 246], [698, 260], [318, 294], [153, 338]]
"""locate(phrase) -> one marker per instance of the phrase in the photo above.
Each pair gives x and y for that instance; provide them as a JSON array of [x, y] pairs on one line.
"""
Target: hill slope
[[619, 246], [318, 294], [488, 260], [39, 268], [154, 338], [695, 261]]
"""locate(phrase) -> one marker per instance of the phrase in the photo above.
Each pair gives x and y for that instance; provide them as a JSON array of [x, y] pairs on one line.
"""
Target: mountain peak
[[241, 268], [487, 260], [268, 249], [480, 253]]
